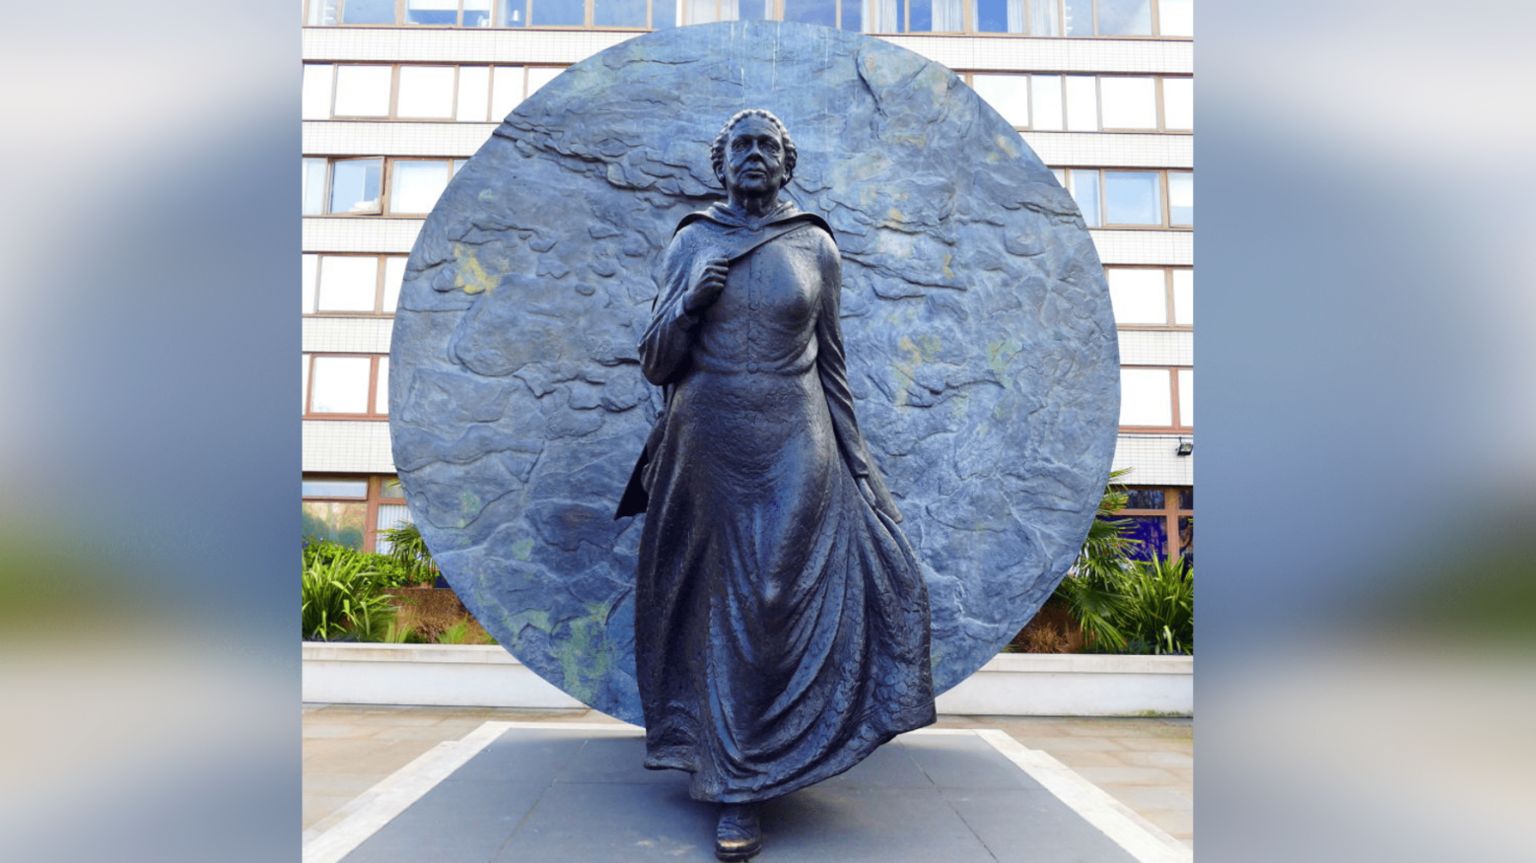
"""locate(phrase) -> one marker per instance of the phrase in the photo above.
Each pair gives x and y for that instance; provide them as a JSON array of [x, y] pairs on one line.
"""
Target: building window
[[352, 386], [1110, 198], [352, 284], [448, 13], [1127, 103], [1086, 103], [475, 94], [353, 510], [368, 12], [416, 184], [1181, 198], [1157, 399], [362, 91], [1107, 18], [354, 184], [1162, 519], [1151, 297], [425, 92], [1133, 198], [1178, 103], [1183, 296]]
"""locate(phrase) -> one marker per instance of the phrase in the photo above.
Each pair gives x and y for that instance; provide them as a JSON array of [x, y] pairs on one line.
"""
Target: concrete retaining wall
[[1011, 684]]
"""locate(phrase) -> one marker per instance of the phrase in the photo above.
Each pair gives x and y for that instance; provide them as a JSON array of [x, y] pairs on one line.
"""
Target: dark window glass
[[1132, 198], [558, 13], [853, 15], [368, 12], [618, 13], [823, 12], [1186, 498], [1079, 17], [1151, 534], [1125, 17], [1187, 539], [1144, 498]]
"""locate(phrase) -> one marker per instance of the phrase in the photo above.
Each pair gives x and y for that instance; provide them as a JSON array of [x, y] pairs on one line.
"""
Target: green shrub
[[1125, 605], [464, 631], [1159, 612], [396, 633], [341, 596], [410, 553]]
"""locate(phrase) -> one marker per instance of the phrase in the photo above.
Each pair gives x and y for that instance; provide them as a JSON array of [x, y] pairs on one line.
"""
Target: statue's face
[[754, 157]]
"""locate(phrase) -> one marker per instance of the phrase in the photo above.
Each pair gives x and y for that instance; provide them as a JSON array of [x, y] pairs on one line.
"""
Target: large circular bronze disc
[[981, 346]]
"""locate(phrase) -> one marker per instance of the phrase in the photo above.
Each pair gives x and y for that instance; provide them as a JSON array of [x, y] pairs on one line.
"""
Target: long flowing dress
[[781, 628]]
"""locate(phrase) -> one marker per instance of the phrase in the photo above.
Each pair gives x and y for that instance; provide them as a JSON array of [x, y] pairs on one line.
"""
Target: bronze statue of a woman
[[781, 621]]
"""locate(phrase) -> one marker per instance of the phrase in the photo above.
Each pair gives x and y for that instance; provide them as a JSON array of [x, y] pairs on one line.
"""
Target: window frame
[[381, 283], [373, 411], [386, 207], [1176, 426], [1162, 128], [373, 497], [1169, 304], [1171, 513], [396, 69], [968, 16], [1162, 186]]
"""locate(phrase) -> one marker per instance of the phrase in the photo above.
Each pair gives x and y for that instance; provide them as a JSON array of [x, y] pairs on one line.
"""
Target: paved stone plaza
[[1144, 764]]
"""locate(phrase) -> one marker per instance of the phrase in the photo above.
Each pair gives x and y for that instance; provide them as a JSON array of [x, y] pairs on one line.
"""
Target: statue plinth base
[[559, 791]]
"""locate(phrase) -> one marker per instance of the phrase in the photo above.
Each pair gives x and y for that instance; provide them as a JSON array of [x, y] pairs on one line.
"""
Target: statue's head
[[753, 153]]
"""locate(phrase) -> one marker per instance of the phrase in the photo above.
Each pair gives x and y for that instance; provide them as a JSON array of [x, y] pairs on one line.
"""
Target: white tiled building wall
[[363, 446], [1157, 348], [343, 446], [1153, 460], [357, 335], [360, 234], [328, 138]]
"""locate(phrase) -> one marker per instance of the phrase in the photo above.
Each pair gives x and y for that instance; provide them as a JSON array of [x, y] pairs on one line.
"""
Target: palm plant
[[407, 546], [1092, 590]]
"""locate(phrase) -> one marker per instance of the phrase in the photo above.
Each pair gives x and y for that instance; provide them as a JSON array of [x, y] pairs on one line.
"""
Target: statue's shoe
[[738, 836]]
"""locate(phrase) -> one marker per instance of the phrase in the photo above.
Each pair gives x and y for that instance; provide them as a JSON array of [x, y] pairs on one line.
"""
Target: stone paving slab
[[581, 794]]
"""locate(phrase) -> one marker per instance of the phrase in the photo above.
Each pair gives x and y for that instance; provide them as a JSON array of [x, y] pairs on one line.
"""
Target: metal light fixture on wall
[[1186, 447]]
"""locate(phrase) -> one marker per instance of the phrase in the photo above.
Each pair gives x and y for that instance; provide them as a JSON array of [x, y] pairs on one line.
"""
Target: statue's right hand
[[708, 287]]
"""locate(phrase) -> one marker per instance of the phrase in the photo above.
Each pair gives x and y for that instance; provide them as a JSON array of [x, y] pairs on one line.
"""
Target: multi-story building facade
[[399, 93]]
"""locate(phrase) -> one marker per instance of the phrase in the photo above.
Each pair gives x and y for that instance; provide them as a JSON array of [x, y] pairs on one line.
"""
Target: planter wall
[[1011, 684]]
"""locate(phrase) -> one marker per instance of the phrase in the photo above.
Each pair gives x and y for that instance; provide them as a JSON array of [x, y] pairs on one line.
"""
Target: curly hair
[[717, 149]]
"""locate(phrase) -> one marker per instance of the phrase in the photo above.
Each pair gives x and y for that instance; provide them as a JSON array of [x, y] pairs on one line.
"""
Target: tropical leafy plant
[[1159, 612], [341, 597], [1092, 590], [410, 552]]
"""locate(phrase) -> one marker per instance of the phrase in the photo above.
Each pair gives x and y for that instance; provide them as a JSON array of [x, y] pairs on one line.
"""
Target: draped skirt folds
[[781, 621]]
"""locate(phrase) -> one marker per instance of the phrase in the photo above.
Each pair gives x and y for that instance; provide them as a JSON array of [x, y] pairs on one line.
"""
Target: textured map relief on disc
[[981, 346]]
